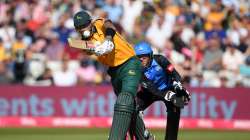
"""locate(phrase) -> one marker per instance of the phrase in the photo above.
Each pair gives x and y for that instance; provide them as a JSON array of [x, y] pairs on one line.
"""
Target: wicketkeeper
[[124, 67], [160, 82]]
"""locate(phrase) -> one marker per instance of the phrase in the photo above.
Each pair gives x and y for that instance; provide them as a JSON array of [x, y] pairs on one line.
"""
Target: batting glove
[[104, 48]]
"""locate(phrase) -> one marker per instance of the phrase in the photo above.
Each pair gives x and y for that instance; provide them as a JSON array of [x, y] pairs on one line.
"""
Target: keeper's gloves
[[181, 91], [172, 97]]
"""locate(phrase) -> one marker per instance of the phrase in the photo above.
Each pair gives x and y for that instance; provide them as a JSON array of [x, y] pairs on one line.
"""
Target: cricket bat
[[79, 44]]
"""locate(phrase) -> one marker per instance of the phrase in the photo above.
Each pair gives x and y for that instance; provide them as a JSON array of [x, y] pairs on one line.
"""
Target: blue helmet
[[143, 48]]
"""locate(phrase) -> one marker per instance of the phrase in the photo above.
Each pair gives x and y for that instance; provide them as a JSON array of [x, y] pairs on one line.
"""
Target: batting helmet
[[81, 19]]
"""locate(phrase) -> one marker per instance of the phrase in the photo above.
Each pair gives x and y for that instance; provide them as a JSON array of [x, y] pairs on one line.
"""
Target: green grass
[[102, 134]]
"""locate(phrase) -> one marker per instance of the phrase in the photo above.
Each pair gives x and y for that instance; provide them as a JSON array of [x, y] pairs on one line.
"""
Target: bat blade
[[79, 44]]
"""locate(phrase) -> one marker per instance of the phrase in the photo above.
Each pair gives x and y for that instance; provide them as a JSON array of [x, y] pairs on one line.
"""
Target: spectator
[[176, 36], [131, 10], [159, 31], [71, 53], [45, 79], [142, 23], [18, 44], [186, 72], [212, 56], [232, 58], [65, 77], [7, 33], [173, 55], [4, 76], [3, 54], [236, 32], [213, 25], [87, 73], [245, 71], [198, 81], [245, 35], [20, 67], [113, 10], [214, 18], [211, 63], [54, 51], [231, 61], [22, 11], [61, 30]]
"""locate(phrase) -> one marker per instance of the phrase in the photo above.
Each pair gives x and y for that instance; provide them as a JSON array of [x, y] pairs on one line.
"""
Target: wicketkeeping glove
[[181, 91], [177, 101]]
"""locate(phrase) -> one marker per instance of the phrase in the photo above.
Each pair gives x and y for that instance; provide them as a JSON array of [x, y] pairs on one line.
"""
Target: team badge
[[131, 72], [78, 17]]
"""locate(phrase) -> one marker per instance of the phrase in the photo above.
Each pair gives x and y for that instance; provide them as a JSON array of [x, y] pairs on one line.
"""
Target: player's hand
[[177, 85], [181, 91], [88, 52], [90, 48], [177, 101], [187, 96], [104, 48]]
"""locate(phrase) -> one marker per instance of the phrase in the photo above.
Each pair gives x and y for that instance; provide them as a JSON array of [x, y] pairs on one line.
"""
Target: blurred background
[[206, 40]]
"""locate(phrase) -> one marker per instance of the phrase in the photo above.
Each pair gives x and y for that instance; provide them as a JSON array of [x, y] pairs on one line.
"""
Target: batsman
[[115, 52]]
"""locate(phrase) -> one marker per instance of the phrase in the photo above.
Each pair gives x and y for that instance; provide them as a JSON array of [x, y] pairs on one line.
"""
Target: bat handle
[[90, 49]]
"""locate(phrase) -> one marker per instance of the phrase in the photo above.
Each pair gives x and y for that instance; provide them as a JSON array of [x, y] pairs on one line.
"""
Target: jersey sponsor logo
[[131, 72]]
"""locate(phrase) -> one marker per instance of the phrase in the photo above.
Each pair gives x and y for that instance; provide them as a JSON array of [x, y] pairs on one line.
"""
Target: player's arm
[[108, 44], [148, 87], [168, 67], [109, 29], [175, 77]]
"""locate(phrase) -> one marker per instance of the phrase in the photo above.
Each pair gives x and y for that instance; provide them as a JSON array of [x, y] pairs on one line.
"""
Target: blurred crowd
[[206, 40]]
